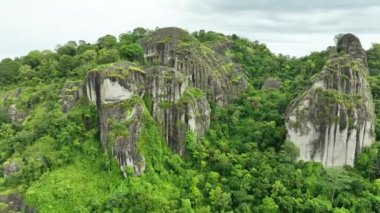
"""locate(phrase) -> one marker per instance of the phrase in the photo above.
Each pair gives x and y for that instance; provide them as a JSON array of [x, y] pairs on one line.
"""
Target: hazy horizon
[[290, 27]]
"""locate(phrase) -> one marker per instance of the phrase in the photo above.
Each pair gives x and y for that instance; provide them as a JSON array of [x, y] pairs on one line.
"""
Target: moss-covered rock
[[9, 107], [71, 93], [333, 120], [271, 83], [173, 105], [206, 69]]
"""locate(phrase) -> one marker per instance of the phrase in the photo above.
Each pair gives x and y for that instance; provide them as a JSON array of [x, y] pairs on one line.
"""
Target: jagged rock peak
[[174, 33], [213, 73], [333, 120], [350, 44]]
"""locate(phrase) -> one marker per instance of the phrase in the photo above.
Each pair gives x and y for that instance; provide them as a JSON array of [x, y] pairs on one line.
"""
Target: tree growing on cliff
[[132, 52], [9, 71]]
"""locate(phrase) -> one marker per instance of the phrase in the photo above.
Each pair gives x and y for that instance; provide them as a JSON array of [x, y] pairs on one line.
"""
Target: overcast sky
[[292, 27]]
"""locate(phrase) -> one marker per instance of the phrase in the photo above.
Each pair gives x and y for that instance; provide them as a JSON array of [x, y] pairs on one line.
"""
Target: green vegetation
[[242, 164]]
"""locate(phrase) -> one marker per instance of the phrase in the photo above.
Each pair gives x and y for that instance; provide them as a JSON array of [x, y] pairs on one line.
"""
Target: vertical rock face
[[174, 105], [120, 127], [71, 93], [207, 70], [120, 121], [181, 78], [334, 119]]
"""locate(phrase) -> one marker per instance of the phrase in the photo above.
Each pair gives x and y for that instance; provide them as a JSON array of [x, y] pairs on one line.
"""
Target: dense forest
[[52, 161]]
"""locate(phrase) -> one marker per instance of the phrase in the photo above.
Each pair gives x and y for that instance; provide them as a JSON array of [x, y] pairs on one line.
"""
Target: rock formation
[[71, 93], [271, 84], [118, 91], [13, 113], [14, 202], [333, 120], [119, 121], [213, 73], [176, 106], [181, 77]]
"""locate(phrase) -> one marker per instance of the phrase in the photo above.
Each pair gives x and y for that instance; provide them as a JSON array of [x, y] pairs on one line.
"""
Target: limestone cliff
[[179, 80], [119, 121], [334, 119], [207, 70], [174, 105]]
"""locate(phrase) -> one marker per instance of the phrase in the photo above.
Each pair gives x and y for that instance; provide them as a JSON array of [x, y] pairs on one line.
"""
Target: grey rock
[[72, 92], [333, 120], [207, 70], [122, 144], [183, 77], [109, 90], [10, 168], [14, 202], [14, 114], [350, 44], [271, 83], [175, 106]]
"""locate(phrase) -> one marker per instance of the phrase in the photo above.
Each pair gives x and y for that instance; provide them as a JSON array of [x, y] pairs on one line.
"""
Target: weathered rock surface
[[72, 92], [14, 114], [120, 126], [333, 120], [207, 70], [182, 77], [109, 89], [271, 83], [174, 105], [10, 168], [351, 45], [14, 202]]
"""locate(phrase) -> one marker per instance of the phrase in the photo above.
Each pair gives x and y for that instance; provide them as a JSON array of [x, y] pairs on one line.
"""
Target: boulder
[[271, 84], [13, 113]]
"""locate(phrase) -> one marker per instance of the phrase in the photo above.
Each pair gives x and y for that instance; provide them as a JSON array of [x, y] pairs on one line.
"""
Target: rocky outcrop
[[350, 44], [16, 115], [207, 70], [271, 84], [120, 126], [10, 168], [119, 122], [174, 105], [13, 113], [72, 92], [181, 77], [333, 120], [14, 202]]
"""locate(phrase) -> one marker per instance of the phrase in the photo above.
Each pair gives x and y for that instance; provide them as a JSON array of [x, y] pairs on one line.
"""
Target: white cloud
[[287, 27]]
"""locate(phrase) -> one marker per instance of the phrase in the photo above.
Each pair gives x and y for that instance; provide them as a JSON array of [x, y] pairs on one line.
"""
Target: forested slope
[[53, 159]]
